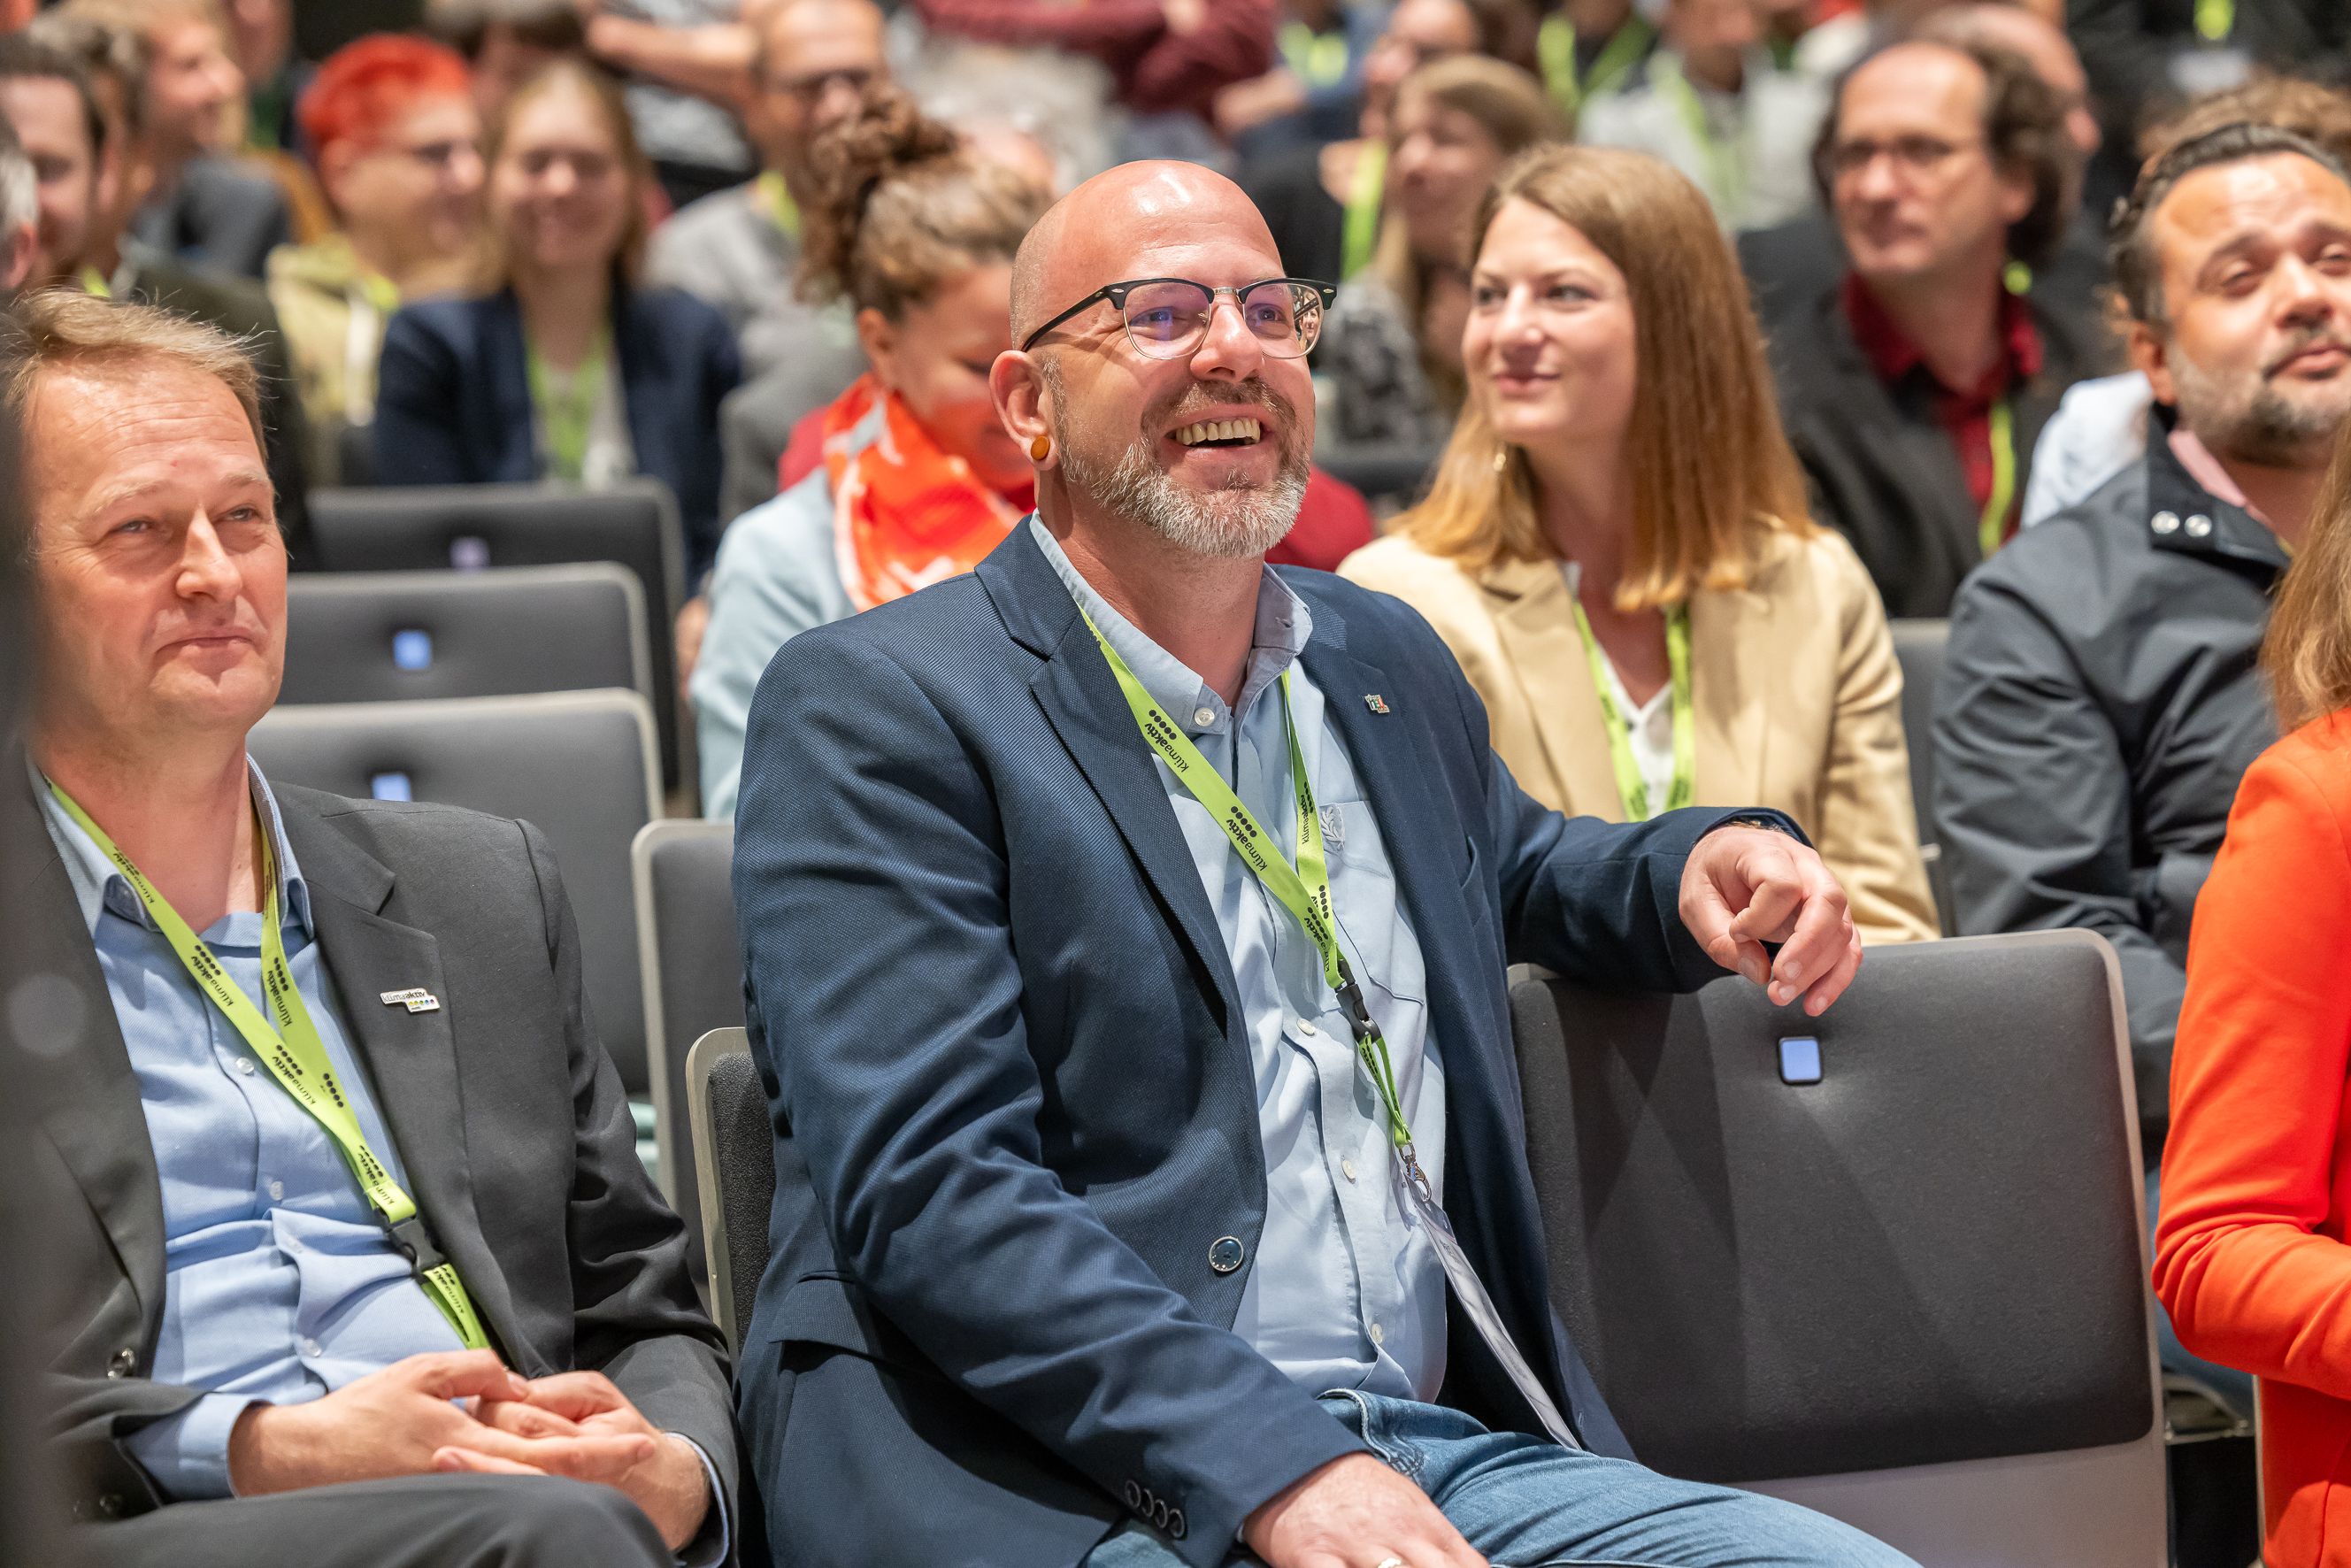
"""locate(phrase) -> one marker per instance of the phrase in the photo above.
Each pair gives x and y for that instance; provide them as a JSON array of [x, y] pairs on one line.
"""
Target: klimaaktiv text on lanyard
[[297, 1057], [1305, 891]]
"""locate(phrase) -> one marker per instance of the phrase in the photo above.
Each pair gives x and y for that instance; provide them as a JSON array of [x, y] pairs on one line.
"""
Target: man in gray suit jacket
[[350, 1238]]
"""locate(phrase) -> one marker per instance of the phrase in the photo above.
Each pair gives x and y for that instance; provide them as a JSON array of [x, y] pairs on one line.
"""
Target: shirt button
[[125, 1361], [1349, 1166], [244, 1065], [1379, 1335], [1306, 1026], [1204, 715], [314, 1350], [277, 1191]]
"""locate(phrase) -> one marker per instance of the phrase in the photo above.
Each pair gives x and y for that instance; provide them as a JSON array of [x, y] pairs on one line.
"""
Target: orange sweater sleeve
[[2250, 1258]]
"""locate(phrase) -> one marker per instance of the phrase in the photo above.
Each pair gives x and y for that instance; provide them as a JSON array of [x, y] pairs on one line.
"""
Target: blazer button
[[1134, 1495], [1175, 1523], [1159, 1513], [125, 1361], [1226, 1253], [112, 1505]]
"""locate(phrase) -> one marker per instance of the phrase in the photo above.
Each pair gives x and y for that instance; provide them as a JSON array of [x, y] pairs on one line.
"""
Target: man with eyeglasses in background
[[1125, 926], [1913, 385], [398, 147], [738, 248]]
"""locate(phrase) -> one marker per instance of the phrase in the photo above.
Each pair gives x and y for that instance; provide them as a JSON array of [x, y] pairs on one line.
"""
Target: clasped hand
[[464, 1411]]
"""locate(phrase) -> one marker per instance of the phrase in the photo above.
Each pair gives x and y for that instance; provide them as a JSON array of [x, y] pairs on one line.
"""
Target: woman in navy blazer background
[[560, 367]]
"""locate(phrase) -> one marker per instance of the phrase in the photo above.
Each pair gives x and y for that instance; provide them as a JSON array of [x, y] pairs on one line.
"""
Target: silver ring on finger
[[1392, 1562]]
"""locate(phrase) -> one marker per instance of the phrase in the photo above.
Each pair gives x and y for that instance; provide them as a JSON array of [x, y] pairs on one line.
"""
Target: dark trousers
[[413, 1521]]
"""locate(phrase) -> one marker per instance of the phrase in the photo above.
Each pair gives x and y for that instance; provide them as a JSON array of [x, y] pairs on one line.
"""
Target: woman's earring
[[1501, 459], [1039, 448]]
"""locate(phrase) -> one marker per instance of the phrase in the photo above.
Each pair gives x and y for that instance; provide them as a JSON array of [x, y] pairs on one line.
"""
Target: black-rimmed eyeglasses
[[1167, 317]]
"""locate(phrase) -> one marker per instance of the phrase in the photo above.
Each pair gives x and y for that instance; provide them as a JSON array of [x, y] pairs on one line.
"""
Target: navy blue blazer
[[452, 398], [1012, 1088]]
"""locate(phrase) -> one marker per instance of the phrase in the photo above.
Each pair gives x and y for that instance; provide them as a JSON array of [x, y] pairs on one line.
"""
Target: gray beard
[[2265, 428], [1229, 524]]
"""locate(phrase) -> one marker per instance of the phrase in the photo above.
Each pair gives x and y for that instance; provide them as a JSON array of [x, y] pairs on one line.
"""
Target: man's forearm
[[712, 62]]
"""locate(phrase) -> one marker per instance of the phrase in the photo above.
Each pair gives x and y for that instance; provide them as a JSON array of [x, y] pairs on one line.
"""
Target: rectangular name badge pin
[[1376, 703], [415, 1000]]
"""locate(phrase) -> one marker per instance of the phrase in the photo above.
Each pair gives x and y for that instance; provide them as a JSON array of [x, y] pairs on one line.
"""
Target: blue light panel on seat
[[1799, 1059]]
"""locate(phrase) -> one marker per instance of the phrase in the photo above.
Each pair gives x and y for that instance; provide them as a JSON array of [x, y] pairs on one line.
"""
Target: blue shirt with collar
[[1347, 1291], [279, 1284]]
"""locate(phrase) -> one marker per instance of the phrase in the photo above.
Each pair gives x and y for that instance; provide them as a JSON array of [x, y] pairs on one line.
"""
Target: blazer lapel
[[1731, 692], [89, 1097], [1537, 631], [513, 444], [411, 1058], [1081, 700]]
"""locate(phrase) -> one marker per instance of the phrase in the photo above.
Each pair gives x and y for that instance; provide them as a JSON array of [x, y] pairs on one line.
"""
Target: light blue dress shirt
[[1346, 1290], [279, 1285]]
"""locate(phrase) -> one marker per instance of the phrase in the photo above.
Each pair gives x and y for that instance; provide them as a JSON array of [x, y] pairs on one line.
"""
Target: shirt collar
[[100, 887], [1894, 356], [1283, 626]]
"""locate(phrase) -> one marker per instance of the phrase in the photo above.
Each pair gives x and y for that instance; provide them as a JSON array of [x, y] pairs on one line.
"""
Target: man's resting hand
[[1745, 887], [404, 1421], [1355, 1512]]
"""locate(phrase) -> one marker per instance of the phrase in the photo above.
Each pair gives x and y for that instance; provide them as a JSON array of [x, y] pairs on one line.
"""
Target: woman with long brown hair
[[919, 480], [559, 365], [1616, 545], [2251, 1259]]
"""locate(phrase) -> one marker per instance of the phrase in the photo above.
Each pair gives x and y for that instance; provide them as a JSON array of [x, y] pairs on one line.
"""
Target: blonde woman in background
[[1616, 547]]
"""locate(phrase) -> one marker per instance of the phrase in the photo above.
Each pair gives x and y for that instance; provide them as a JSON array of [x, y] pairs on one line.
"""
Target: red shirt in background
[[1334, 521], [1964, 413], [1157, 64]]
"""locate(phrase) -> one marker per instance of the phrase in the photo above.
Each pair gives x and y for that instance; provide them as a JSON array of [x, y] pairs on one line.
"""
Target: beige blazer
[[1798, 697]]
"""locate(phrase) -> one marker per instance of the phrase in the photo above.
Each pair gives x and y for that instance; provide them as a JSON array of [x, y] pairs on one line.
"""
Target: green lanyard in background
[[782, 211], [1318, 59], [2215, 19], [1994, 521], [1363, 195], [1304, 892], [93, 283], [297, 1058], [1572, 89], [1630, 784], [565, 419], [1726, 162]]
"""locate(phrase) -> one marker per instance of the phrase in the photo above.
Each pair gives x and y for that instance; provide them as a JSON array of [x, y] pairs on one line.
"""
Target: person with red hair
[[398, 145]]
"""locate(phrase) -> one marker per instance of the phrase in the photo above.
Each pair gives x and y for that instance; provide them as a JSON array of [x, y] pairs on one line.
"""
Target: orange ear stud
[[1040, 447]]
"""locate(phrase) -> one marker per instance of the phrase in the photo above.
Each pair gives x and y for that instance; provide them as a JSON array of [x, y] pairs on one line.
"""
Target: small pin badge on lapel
[[415, 1000], [1376, 703]]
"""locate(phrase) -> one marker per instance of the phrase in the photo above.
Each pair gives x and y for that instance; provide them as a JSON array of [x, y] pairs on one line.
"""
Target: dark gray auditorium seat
[[579, 765], [735, 1154], [1912, 1292], [376, 636], [434, 528], [1918, 648], [692, 966]]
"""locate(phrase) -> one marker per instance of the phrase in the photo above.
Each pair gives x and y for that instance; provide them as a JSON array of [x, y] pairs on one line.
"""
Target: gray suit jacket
[[506, 1110]]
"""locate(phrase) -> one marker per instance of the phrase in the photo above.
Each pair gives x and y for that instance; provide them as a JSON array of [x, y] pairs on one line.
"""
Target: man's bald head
[[1106, 230]]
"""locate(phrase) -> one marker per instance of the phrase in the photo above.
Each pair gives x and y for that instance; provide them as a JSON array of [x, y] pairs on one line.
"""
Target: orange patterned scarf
[[906, 514]]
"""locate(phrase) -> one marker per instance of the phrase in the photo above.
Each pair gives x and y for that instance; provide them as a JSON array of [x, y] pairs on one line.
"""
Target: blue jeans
[[1525, 1502]]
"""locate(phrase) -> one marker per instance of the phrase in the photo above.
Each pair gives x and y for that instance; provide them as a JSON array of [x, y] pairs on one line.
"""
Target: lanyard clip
[[1413, 1172], [1351, 1003], [415, 1244]]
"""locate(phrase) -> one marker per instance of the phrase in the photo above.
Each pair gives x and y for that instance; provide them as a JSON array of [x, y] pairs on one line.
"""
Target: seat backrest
[[580, 765], [376, 636], [1918, 648], [1929, 1255], [691, 961], [437, 527], [734, 1148]]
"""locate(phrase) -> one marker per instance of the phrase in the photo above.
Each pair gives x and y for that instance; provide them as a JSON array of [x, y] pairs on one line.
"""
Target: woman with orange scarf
[[919, 480]]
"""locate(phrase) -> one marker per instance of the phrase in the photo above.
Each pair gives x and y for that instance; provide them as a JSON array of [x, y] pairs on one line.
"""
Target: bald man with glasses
[[1125, 925]]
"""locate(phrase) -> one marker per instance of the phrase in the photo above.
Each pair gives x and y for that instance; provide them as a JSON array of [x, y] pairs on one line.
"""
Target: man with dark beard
[[1125, 926], [2101, 699]]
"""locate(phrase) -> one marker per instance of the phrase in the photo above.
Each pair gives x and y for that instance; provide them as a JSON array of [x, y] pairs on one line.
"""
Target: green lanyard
[[297, 1058], [1305, 891], [782, 211], [2215, 19], [94, 284], [1994, 522], [1363, 230], [1725, 163], [1630, 784], [1318, 59], [565, 418], [1572, 89]]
